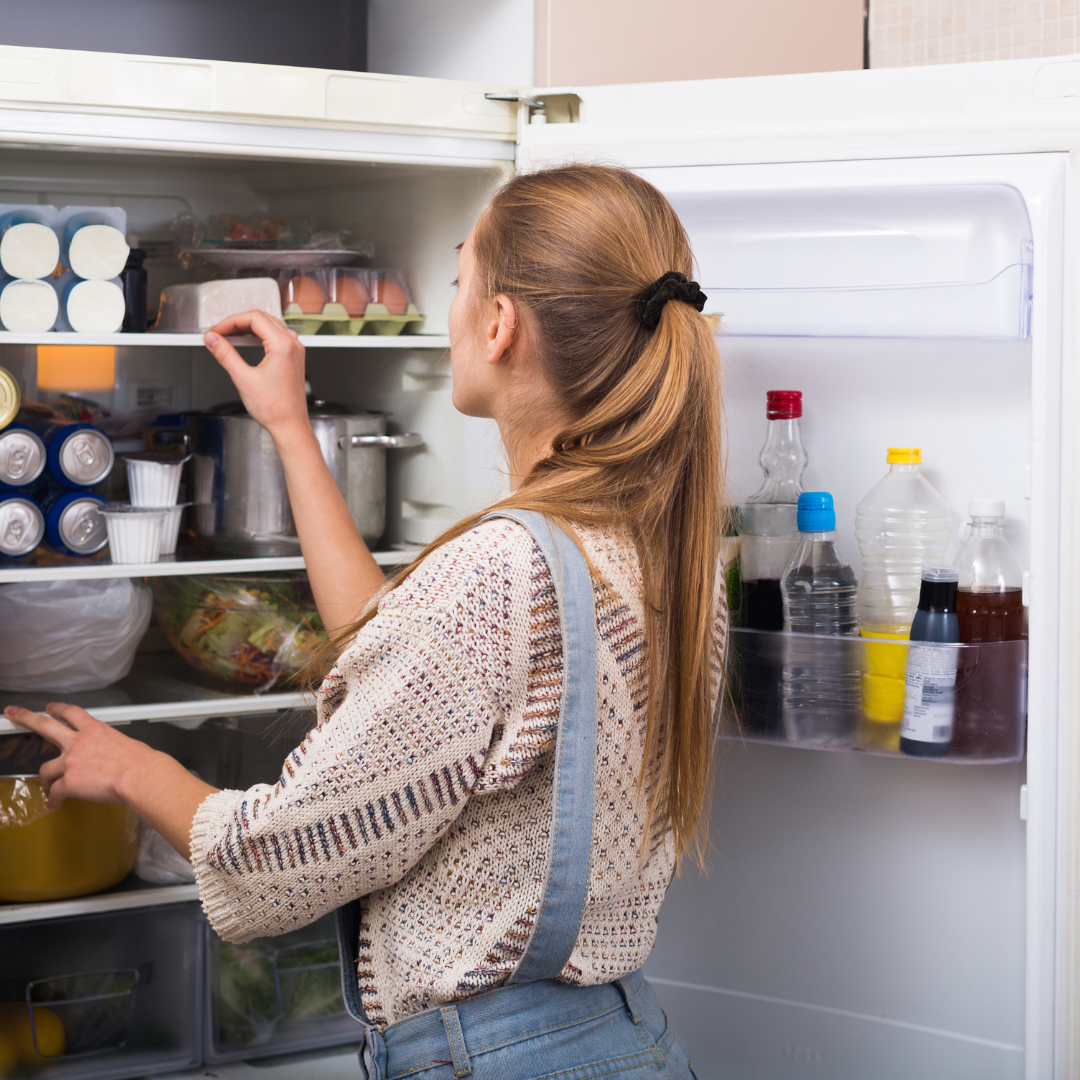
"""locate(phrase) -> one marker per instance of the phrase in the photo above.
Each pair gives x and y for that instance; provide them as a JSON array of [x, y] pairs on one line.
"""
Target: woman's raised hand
[[273, 391]]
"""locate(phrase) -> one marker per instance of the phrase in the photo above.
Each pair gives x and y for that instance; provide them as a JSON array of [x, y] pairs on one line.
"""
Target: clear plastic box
[[346, 300], [103, 997], [276, 995]]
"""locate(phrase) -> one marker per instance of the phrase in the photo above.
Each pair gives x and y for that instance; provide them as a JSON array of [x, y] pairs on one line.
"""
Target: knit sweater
[[426, 785]]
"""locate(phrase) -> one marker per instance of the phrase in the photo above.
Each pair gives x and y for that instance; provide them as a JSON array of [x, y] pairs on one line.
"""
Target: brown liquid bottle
[[991, 703]]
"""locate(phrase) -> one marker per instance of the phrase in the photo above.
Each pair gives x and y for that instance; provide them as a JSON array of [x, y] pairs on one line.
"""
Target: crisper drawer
[[276, 995], [102, 996]]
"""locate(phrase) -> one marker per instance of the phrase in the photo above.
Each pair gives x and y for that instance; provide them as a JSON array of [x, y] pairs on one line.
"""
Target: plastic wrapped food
[[253, 630], [190, 308], [159, 863]]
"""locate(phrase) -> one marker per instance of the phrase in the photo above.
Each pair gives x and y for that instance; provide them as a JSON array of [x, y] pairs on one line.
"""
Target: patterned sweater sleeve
[[405, 722]]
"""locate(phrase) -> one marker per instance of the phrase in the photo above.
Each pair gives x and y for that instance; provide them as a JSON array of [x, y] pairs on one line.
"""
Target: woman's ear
[[500, 329]]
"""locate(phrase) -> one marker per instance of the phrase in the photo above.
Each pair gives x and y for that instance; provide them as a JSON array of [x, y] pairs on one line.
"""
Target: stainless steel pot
[[240, 503]]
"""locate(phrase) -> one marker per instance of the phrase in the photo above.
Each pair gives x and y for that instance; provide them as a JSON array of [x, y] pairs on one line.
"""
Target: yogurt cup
[[134, 532], [153, 482], [171, 529]]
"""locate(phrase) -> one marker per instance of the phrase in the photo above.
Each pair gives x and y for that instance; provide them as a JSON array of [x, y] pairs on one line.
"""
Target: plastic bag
[[62, 636], [159, 862]]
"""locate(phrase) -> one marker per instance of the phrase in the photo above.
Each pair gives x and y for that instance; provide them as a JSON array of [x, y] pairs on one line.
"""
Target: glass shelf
[[847, 693], [152, 340], [129, 893]]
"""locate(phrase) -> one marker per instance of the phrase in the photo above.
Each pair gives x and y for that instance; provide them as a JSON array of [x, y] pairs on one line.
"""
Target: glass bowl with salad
[[256, 629]]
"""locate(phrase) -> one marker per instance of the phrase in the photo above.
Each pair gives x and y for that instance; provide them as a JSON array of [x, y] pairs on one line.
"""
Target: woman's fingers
[[72, 715], [48, 728]]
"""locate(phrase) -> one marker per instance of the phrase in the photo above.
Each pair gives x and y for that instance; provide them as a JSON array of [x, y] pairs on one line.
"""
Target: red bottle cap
[[783, 404]]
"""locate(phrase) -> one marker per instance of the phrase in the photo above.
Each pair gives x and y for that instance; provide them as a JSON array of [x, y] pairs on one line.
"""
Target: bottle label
[[929, 693]]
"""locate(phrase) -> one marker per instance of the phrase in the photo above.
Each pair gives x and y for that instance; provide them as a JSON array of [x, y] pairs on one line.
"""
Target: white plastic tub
[[134, 532], [170, 531], [152, 482]]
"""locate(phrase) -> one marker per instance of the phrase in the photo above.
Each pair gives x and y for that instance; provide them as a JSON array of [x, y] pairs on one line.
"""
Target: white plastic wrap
[[29, 244], [92, 241], [90, 307], [197, 308], [159, 863], [28, 307], [62, 636]]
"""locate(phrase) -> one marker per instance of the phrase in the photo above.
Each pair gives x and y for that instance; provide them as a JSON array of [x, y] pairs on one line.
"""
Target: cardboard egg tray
[[334, 319]]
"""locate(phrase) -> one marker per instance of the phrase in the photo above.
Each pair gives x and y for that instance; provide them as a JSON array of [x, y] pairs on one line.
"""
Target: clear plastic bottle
[[768, 531], [990, 710], [819, 590], [902, 524]]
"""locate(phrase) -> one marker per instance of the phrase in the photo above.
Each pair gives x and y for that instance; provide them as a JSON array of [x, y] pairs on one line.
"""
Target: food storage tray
[[102, 997], [274, 996]]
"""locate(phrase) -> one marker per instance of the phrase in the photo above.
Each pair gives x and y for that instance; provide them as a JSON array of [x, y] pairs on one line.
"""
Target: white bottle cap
[[986, 508]]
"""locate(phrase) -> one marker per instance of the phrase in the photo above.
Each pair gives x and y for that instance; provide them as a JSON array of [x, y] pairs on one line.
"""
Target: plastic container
[[274, 996], [92, 241], [22, 524], [346, 301], [170, 530], [29, 244], [930, 697], [255, 630], [990, 607], [153, 480], [902, 524], [90, 307], [819, 592], [78, 848], [28, 307], [73, 525], [134, 532], [110, 996], [186, 309], [133, 279]]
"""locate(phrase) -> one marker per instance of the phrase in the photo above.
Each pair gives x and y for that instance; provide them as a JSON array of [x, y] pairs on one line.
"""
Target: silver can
[[79, 454], [22, 525], [22, 456], [74, 522]]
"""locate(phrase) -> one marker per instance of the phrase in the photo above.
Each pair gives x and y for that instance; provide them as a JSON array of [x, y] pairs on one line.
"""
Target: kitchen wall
[[327, 33], [908, 32]]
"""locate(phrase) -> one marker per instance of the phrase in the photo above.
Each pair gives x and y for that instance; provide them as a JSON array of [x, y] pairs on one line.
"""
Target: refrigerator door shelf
[[848, 693], [918, 261]]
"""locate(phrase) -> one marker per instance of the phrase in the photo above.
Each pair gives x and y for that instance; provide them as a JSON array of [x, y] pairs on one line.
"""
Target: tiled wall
[[907, 32]]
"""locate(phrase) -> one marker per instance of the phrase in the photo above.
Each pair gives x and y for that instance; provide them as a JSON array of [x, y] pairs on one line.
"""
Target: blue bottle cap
[[816, 513]]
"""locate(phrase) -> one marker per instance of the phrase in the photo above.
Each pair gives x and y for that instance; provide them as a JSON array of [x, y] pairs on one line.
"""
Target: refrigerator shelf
[[161, 686], [848, 694], [151, 340], [186, 561], [130, 894]]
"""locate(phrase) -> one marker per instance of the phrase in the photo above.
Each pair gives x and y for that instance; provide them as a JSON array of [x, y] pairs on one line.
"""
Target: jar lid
[[10, 398]]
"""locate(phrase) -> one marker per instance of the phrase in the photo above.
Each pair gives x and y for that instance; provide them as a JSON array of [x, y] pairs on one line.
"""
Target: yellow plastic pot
[[79, 848]]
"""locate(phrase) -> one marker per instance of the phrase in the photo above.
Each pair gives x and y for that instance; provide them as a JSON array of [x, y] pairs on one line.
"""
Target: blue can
[[78, 455], [73, 524], [22, 524]]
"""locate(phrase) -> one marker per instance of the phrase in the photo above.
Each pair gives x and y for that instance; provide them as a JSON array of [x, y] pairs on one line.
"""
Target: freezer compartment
[[276, 995], [102, 996], [919, 261], [850, 693]]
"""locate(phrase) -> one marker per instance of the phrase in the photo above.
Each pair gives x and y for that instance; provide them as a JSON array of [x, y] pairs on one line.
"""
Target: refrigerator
[[900, 245]]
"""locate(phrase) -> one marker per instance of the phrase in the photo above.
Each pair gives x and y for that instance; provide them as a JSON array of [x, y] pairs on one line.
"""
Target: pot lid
[[316, 407]]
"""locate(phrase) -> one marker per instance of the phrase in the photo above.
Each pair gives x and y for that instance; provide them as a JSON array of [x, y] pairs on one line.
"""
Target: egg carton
[[334, 319]]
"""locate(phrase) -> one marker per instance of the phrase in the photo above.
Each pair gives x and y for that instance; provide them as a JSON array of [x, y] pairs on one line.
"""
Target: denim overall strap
[[570, 848]]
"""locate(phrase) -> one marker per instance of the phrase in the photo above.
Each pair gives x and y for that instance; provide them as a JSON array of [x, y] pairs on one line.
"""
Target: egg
[[390, 293], [305, 292], [351, 294]]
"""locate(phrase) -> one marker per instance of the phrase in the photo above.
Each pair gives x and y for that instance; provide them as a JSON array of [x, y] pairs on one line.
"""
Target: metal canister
[[22, 456], [22, 525], [10, 398], [73, 524], [78, 455]]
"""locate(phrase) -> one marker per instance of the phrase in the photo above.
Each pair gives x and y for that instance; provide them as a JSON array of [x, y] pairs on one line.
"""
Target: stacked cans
[[146, 528]]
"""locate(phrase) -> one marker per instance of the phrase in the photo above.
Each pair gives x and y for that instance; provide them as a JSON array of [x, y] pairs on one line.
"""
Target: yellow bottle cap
[[904, 455]]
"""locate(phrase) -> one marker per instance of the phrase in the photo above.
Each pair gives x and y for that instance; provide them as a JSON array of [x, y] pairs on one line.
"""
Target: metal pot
[[241, 505]]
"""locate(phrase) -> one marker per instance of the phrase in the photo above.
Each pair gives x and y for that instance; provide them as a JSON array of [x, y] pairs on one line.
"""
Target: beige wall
[[583, 42]]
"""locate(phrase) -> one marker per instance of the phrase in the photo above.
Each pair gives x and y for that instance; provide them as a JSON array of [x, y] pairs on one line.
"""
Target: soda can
[[78, 455], [73, 524], [22, 456], [10, 398], [22, 525]]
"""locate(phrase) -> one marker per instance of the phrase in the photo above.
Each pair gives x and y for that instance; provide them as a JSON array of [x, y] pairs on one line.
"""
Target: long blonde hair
[[574, 247]]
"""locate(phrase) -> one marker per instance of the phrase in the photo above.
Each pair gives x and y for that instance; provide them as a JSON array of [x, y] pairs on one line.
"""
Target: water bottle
[[902, 524], [820, 596]]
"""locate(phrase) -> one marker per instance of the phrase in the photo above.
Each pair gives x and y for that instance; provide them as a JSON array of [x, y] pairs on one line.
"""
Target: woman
[[512, 749]]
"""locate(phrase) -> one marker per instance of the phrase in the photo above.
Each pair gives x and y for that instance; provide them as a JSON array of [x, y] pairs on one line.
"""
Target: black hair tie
[[672, 286]]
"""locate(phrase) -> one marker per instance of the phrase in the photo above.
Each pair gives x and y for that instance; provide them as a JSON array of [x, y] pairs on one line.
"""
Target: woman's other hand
[[100, 764], [273, 391]]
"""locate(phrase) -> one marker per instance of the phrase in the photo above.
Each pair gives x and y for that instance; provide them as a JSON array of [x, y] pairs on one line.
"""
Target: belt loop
[[629, 1000], [373, 1055], [456, 1038]]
